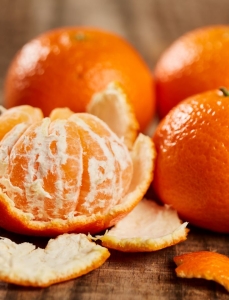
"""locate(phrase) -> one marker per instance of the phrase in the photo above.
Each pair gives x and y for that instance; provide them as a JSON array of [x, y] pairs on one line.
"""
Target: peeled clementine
[[49, 176], [192, 165], [66, 66], [70, 172], [194, 63]]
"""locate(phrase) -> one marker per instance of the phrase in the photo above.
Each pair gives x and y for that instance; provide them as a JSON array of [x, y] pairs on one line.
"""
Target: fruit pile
[[73, 160]]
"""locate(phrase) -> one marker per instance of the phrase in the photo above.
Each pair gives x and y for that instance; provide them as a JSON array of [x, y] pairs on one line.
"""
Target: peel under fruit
[[148, 227]]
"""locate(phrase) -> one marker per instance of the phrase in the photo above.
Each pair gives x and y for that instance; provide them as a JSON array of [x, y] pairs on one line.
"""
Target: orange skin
[[204, 264], [192, 165], [65, 67], [194, 63]]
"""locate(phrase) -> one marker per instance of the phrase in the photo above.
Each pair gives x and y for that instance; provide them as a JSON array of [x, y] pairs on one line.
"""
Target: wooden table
[[150, 25]]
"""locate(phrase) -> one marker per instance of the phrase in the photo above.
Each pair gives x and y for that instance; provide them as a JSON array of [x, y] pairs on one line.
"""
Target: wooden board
[[150, 25]]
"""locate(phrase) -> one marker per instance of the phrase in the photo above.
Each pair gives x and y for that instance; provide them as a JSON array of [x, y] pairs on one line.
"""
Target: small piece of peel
[[204, 264], [66, 257], [113, 107], [148, 227]]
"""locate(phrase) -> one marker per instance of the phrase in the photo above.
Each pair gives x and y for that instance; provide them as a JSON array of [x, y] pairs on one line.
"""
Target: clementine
[[66, 66], [192, 165], [71, 172], [194, 63]]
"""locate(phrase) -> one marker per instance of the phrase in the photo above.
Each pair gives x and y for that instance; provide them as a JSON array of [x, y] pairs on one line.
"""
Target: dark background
[[149, 25]]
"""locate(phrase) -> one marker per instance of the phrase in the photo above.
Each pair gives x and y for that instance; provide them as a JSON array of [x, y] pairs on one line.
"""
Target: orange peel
[[204, 264], [113, 100], [148, 227], [26, 265]]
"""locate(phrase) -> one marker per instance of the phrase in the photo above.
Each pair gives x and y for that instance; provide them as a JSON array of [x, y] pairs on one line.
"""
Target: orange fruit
[[66, 66], [192, 165], [66, 178], [26, 265], [194, 63], [204, 264], [71, 173]]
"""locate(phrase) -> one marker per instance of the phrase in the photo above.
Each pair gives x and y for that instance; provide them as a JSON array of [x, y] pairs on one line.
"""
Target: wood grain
[[150, 25]]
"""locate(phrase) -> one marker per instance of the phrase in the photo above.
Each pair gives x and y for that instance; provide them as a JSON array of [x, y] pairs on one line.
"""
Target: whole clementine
[[194, 63], [192, 165], [66, 66]]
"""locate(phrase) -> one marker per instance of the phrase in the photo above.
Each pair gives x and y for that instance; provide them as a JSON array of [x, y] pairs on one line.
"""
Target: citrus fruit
[[194, 63], [204, 264], [71, 173], [26, 265], [148, 227], [192, 165], [66, 66]]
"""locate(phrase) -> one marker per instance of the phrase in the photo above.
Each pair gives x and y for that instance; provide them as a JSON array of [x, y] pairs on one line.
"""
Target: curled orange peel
[[112, 105], [204, 264]]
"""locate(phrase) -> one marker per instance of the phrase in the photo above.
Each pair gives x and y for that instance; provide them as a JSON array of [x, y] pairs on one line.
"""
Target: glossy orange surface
[[196, 62], [204, 264], [192, 166], [65, 67]]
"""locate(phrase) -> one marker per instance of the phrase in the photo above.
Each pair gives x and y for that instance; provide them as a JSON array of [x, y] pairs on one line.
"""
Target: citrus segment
[[107, 165], [6, 145], [11, 117], [45, 170], [204, 264], [113, 107], [26, 265], [60, 113], [148, 227], [143, 156]]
